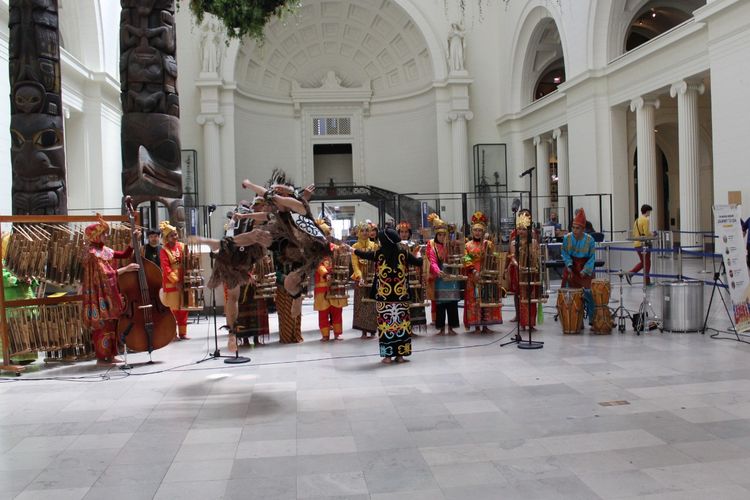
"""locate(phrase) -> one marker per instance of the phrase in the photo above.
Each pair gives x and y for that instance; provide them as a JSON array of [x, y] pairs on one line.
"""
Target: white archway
[[530, 57], [610, 21]]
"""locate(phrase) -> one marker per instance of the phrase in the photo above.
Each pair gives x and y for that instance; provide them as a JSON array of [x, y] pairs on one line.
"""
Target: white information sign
[[731, 244]]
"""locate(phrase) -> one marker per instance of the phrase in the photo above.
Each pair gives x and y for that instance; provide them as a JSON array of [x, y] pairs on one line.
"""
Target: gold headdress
[[523, 219], [166, 229], [438, 225]]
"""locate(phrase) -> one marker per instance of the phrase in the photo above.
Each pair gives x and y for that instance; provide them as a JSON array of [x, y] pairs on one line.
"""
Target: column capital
[[457, 115], [538, 139], [203, 119], [683, 87], [640, 102], [558, 132]]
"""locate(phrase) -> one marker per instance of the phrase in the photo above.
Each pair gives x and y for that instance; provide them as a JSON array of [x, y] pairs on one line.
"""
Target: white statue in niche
[[331, 81], [456, 47], [211, 48]]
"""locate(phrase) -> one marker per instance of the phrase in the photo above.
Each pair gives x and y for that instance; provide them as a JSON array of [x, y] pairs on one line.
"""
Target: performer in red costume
[[172, 258], [102, 303]]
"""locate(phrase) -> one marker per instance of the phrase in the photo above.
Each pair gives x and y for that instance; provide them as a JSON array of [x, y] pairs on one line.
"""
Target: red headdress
[[478, 219], [580, 218], [403, 226], [95, 231]]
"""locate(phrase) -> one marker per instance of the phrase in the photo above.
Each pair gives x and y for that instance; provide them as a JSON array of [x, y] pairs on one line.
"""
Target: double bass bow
[[146, 323]]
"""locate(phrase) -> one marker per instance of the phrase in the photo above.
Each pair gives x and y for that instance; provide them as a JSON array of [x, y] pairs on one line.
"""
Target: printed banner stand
[[731, 245]]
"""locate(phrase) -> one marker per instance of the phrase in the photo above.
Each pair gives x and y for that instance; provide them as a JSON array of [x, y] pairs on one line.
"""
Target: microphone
[[527, 171], [211, 208]]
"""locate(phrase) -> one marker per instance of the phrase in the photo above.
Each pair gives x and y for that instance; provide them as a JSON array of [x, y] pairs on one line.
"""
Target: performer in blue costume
[[578, 253]]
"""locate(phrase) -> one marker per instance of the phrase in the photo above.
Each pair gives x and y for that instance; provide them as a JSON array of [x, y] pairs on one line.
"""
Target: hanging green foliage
[[242, 18]]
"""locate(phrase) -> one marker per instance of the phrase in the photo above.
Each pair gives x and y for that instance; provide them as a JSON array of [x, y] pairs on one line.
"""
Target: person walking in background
[[641, 229]]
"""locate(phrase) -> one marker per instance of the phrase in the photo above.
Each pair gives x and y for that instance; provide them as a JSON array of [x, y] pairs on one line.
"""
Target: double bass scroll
[[147, 324]]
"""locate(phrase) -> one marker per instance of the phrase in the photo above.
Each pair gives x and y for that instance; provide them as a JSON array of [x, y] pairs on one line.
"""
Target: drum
[[570, 309], [447, 290], [602, 320]]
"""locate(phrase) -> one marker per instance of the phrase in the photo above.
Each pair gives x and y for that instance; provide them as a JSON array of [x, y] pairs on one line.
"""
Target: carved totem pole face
[[36, 124], [150, 123]]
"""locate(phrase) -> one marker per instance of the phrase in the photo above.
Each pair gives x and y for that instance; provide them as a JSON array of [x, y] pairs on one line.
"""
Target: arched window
[[552, 77], [657, 17]]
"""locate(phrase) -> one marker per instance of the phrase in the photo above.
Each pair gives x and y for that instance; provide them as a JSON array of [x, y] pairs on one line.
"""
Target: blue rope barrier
[[702, 254], [665, 276]]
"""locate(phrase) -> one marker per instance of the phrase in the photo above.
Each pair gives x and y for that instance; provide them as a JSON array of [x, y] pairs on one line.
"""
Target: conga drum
[[570, 310], [602, 320]]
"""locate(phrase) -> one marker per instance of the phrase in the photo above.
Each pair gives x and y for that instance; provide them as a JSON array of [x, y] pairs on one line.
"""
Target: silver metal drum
[[682, 306]]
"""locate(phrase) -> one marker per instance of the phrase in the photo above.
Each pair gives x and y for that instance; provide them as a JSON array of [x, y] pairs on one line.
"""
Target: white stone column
[[542, 178], [690, 186], [646, 139], [460, 153], [563, 184], [212, 192]]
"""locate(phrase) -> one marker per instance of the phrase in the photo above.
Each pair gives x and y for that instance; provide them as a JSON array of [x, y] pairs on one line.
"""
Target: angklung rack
[[57, 266]]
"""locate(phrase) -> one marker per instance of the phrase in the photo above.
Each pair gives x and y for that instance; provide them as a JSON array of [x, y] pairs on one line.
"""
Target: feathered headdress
[[95, 231], [478, 219]]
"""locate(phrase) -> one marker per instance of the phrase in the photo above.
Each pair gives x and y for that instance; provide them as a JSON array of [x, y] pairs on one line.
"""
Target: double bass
[[146, 323]]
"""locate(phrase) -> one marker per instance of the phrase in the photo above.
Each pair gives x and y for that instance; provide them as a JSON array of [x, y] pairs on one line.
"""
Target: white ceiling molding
[[331, 91], [366, 43]]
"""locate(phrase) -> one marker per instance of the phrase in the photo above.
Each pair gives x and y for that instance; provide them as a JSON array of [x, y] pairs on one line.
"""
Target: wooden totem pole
[[37, 151], [150, 130]]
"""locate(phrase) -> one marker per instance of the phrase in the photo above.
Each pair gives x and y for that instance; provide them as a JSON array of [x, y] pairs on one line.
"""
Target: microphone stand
[[529, 344], [231, 360]]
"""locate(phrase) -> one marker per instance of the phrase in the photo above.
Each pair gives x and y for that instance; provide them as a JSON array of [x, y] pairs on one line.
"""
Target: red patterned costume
[[476, 248], [524, 253], [102, 303]]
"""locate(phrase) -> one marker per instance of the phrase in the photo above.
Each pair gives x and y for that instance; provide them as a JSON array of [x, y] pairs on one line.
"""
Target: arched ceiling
[[361, 40]]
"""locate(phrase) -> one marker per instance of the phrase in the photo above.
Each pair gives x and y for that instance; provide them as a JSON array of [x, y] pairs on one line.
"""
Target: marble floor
[[657, 416]]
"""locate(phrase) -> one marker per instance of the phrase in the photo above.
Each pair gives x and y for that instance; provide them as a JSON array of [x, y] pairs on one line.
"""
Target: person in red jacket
[[102, 303], [172, 258]]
